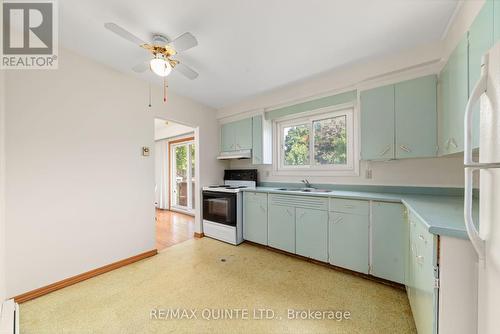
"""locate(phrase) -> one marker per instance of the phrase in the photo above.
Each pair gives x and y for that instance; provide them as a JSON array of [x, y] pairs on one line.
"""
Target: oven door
[[219, 207]]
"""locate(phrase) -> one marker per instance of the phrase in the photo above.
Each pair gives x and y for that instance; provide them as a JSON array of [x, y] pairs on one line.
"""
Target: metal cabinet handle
[[338, 220], [405, 148], [453, 142], [383, 152], [421, 237], [420, 259], [302, 215], [263, 208], [479, 89], [349, 206], [289, 213]]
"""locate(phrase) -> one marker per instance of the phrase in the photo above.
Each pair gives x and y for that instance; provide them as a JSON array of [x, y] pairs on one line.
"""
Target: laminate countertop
[[443, 215]]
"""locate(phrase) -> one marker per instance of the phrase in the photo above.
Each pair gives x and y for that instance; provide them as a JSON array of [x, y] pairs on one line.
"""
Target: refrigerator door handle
[[470, 166], [477, 242]]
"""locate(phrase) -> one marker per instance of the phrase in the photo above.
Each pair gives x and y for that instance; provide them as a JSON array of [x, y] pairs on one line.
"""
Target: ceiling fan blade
[[184, 42], [123, 33], [187, 71], [139, 68]]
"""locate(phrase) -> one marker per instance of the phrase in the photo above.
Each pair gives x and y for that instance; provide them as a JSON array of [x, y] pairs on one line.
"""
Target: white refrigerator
[[485, 236]]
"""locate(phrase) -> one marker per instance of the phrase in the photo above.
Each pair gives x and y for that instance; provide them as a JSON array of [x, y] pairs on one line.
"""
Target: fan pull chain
[[165, 89], [149, 96]]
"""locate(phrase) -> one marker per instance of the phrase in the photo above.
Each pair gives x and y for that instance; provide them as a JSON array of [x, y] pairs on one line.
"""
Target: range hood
[[241, 154]]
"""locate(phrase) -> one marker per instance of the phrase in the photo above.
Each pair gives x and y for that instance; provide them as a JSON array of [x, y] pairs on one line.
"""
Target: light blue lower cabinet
[[281, 227], [422, 271], [312, 233], [389, 241], [348, 241], [255, 217]]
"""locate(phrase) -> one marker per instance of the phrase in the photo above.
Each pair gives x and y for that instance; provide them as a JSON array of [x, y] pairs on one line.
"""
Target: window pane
[[296, 145], [330, 141]]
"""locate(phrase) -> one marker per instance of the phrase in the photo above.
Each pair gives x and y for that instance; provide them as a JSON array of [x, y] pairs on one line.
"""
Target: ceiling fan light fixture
[[160, 66]]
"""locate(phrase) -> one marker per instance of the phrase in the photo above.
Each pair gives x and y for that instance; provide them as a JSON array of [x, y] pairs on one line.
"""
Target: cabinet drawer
[[349, 206], [307, 202]]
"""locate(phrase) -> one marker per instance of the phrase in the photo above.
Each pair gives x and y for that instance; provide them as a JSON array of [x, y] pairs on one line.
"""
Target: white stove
[[231, 186], [223, 204]]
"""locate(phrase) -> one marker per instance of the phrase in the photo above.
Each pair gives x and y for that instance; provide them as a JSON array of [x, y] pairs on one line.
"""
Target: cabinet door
[[444, 112], [227, 137], [416, 118], [257, 138], [348, 241], [255, 217], [389, 241], [496, 21], [281, 227], [458, 97], [377, 123], [481, 36], [243, 134], [312, 233]]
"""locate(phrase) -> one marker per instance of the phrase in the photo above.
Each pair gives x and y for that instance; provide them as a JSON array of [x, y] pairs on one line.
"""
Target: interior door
[[182, 176]]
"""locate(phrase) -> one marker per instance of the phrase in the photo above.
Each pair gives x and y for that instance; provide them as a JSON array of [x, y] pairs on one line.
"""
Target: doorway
[[175, 185], [182, 175]]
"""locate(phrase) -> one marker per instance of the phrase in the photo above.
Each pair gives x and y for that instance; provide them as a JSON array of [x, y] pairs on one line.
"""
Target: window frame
[[351, 167]]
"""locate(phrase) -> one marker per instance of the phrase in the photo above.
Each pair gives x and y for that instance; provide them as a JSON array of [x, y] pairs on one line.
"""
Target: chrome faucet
[[306, 183]]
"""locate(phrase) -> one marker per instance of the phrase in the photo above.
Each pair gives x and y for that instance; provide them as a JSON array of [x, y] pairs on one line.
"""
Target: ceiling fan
[[162, 50]]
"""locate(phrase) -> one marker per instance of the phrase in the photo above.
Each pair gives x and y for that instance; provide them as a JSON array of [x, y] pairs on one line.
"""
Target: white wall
[[79, 194], [2, 187], [434, 172]]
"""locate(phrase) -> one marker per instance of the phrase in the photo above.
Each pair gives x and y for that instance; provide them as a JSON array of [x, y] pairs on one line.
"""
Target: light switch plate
[[145, 151]]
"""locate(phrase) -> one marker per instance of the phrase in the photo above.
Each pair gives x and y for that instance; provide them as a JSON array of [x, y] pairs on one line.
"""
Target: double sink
[[306, 190]]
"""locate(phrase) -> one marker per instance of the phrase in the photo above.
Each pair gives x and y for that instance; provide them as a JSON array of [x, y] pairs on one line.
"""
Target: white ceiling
[[168, 129], [247, 47]]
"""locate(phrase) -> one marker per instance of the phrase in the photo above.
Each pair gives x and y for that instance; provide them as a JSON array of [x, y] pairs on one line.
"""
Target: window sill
[[315, 172]]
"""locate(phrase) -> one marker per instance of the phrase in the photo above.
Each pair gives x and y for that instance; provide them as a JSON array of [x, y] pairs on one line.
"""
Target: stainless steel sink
[[306, 190]]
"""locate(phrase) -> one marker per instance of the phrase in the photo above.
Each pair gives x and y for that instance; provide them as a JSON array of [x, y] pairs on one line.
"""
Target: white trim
[[189, 208], [352, 166], [452, 19], [310, 98], [9, 317], [241, 115]]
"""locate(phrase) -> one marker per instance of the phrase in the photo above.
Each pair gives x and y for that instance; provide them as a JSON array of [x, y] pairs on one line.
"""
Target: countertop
[[443, 215]]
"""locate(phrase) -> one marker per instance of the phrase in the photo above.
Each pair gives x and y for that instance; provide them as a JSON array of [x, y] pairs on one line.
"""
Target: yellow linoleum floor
[[204, 276]]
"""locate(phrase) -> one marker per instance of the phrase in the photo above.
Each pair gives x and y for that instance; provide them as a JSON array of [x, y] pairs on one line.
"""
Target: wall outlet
[[368, 173], [145, 151]]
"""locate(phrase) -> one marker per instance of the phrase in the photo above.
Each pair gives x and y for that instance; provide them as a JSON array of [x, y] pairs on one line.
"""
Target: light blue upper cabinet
[[257, 139], [496, 20], [243, 134], [377, 123], [236, 135], [416, 118], [481, 37], [227, 137], [389, 241], [454, 95], [255, 217], [312, 233]]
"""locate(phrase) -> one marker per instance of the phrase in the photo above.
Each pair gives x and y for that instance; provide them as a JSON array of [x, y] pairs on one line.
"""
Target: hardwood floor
[[172, 228]]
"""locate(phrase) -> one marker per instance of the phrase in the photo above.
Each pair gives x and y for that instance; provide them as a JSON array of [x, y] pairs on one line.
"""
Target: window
[[320, 141]]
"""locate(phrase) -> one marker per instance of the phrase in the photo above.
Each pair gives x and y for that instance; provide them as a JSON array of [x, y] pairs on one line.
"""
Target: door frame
[[170, 143]]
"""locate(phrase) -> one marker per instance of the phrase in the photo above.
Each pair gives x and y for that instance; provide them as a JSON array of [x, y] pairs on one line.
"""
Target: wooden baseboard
[[82, 277], [331, 266], [198, 235]]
